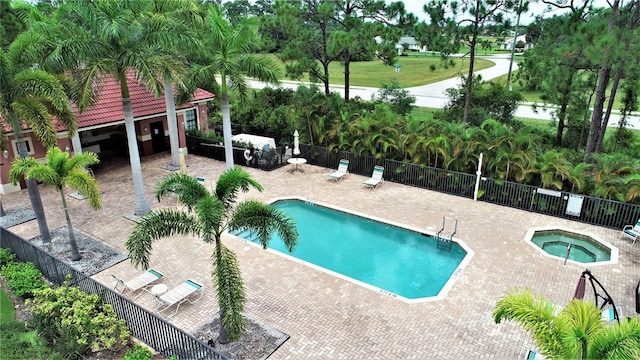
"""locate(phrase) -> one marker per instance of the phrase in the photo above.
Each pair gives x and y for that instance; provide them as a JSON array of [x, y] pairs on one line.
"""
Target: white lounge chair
[[376, 178], [631, 231], [338, 175], [141, 282], [177, 296]]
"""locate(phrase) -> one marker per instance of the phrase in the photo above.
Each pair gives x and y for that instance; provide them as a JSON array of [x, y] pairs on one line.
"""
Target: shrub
[[6, 256], [74, 322], [140, 353], [23, 278]]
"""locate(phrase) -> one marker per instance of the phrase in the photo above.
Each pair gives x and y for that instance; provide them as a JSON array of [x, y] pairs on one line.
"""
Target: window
[[28, 144], [190, 122]]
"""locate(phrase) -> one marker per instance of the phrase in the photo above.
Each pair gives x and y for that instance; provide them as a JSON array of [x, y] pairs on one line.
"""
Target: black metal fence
[[588, 209], [146, 326], [260, 159], [562, 204]]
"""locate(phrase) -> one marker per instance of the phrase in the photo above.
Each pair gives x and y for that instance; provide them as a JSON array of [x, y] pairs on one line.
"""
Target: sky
[[415, 6]]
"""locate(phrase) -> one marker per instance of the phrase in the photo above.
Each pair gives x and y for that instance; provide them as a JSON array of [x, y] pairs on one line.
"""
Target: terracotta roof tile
[[109, 105]]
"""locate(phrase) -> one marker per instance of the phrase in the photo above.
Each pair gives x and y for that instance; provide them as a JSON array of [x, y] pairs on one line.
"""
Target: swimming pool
[[579, 247], [394, 260]]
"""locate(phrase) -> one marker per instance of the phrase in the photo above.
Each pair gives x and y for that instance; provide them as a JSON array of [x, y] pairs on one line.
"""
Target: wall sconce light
[[146, 129], [182, 124], [67, 150], [5, 154]]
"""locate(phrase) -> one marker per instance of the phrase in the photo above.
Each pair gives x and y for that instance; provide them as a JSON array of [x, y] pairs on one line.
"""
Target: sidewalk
[[331, 318]]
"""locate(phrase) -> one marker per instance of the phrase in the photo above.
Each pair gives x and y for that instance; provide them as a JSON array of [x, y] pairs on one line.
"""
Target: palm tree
[[115, 38], [207, 216], [62, 171], [181, 16], [576, 332], [227, 53], [33, 98], [553, 168]]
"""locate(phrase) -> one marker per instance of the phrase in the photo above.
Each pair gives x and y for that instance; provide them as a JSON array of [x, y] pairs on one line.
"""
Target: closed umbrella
[[579, 293], [296, 143], [183, 162]]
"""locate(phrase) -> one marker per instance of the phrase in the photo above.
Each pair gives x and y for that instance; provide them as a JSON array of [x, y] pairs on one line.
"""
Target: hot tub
[[572, 245]]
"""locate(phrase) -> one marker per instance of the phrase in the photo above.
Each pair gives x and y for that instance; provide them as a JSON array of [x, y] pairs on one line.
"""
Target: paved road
[[434, 96]]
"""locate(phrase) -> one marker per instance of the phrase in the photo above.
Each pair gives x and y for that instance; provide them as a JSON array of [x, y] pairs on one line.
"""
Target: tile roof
[[108, 108]]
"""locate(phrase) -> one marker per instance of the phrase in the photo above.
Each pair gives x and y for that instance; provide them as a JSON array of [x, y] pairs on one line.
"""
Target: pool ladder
[[444, 238]]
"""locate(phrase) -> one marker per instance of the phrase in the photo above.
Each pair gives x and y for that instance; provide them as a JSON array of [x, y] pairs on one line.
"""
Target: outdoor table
[[297, 162], [158, 289]]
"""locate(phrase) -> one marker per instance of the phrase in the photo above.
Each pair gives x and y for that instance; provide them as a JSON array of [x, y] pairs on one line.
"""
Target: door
[[158, 140]]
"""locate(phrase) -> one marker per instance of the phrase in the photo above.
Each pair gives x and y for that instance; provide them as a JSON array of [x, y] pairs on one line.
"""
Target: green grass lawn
[[16, 341], [7, 312], [414, 71]]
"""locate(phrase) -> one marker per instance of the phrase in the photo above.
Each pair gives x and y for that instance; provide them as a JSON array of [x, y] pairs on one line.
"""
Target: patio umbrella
[[183, 162], [579, 293], [296, 143]]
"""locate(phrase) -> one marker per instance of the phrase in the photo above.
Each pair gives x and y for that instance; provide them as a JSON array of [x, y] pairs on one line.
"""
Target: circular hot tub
[[572, 245]]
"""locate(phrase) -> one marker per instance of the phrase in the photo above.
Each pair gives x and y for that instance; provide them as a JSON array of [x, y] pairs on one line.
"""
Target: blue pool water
[[391, 258], [583, 248]]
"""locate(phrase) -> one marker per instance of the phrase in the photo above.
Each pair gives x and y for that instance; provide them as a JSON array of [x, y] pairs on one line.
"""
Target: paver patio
[[331, 318]]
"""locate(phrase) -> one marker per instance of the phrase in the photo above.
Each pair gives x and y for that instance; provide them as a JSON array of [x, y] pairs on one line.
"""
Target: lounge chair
[[532, 355], [527, 354], [632, 231], [141, 282], [177, 296], [341, 172], [376, 178]]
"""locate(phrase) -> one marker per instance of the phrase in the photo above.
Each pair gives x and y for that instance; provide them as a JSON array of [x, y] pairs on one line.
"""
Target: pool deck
[[331, 318]]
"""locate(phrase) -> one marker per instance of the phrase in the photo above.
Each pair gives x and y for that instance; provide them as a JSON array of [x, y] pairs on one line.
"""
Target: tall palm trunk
[[142, 205], [34, 195], [75, 253], [172, 123], [226, 129]]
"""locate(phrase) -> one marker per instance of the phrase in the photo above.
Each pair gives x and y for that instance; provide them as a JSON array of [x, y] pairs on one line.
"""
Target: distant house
[[506, 45], [101, 128], [409, 43]]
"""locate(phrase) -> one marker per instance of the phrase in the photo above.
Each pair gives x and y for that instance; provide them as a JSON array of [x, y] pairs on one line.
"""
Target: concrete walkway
[[331, 318]]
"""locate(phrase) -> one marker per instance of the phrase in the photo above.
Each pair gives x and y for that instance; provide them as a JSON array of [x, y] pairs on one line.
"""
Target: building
[[409, 43], [508, 42], [101, 128]]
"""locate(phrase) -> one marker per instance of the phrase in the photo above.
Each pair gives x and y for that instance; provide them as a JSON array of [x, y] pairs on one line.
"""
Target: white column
[[478, 173], [75, 141]]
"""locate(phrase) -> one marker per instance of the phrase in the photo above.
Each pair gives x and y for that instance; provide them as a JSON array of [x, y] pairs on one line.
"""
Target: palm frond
[[187, 188], [155, 225], [85, 184], [535, 315], [583, 322], [34, 113], [211, 213], [232, 181], [264, 220], [83, 160], [230, 290], [20, 167], [618, 341], [45, 174]]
